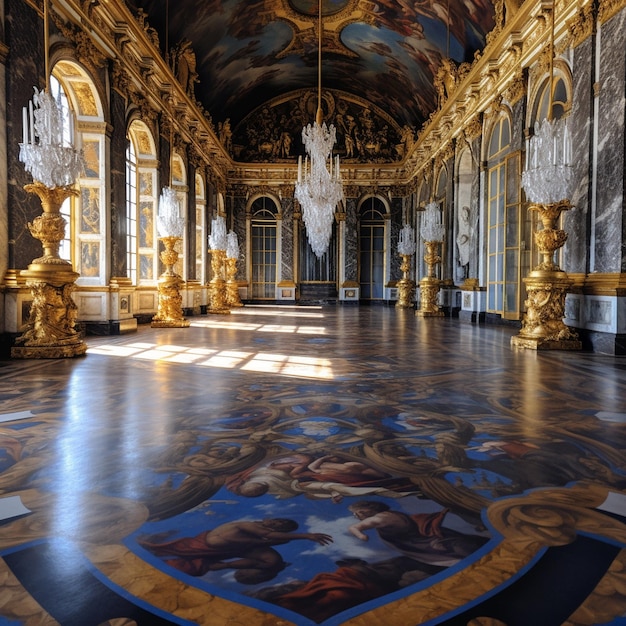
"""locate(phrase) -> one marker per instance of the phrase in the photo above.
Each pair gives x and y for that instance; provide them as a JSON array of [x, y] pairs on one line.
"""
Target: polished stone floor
[[313, 465]]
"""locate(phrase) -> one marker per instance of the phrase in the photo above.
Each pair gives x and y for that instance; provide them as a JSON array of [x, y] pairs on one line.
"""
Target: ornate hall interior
[[313, 312]]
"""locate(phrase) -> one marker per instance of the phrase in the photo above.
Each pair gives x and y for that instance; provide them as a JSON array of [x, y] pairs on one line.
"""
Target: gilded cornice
[[115, 33], [473, 129], [609, 284], [517, 89], [86, 52], [608, 8], [582, 25]]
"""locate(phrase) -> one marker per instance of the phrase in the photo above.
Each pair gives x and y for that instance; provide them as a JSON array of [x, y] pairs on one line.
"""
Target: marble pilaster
[[118, 184], [609, 206], [576, 221], [395, 225], [351, 242], [287, 225], [239, 226], [24, 38]]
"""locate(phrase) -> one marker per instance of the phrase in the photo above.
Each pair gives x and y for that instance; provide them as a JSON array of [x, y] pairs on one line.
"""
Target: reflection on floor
[[276, 466]]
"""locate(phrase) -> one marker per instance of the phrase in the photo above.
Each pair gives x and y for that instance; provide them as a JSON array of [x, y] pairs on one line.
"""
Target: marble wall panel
[[24, 37], [239, 226], [576, 221], [609, 218], [118, 184], [351, 271], [286, 257], [395, 226]]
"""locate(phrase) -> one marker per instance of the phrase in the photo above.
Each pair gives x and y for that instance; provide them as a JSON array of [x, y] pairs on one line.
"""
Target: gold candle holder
[[430, 285], [217, 286], [170, 307], [406, 286], [546, 285], [232, 287], [51, 329]]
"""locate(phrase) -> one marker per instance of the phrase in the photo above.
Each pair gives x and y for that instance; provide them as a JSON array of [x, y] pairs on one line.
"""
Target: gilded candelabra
[[430, 284], [217, 286], [51, 329], [546, 285], [55, 166], [170, 307], [232, 254], [232, 286], [406, 286]]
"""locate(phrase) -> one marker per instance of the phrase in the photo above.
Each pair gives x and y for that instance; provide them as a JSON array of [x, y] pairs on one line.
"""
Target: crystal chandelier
[[170, 223], [318, 188], [218, 239], [43, 151], [406, 241], [548, 176], [432, 229]]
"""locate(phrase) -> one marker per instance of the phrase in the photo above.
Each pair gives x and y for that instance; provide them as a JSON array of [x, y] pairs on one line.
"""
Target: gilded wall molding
[[473, 129], [609, 8], [608, 284], [517, 89], [583, 25]]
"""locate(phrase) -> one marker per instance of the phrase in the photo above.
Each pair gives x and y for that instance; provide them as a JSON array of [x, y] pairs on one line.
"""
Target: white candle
[[31, 118], [24, 126], [300, 169]]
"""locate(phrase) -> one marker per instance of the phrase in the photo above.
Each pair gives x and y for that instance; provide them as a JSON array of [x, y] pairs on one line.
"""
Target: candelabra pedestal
[[232, 287], [429, 285], [170, 307], [51, 331], [542, 326], [217, 286], [405, 286]]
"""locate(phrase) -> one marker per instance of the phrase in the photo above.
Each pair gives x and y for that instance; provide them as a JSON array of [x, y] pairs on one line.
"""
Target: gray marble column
[[287, 239], [395, 226], [576, 221], [118, 184], [351, 265], [24, 38], [238, 207], [609, 210]]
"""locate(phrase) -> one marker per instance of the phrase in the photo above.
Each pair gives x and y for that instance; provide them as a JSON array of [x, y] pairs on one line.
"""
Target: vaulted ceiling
[[379, 56]]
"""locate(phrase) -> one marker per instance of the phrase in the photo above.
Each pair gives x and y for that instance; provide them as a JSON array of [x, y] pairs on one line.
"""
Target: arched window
[[372, 249], [560, 100], [504, 262], [141, 205], [264, 243], [201, 236], [179, 184], [86, 231]]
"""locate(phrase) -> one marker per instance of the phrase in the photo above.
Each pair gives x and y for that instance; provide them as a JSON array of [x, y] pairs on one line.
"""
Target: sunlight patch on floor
[[267, 363]]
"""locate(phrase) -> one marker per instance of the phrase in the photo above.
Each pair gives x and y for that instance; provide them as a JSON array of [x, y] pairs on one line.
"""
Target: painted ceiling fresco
[[383, 53]]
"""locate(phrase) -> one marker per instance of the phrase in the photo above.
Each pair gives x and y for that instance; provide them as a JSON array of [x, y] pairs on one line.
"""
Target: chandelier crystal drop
[[50, 159], [318, 188], [432, 229], [169, 221], [548, 176]]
